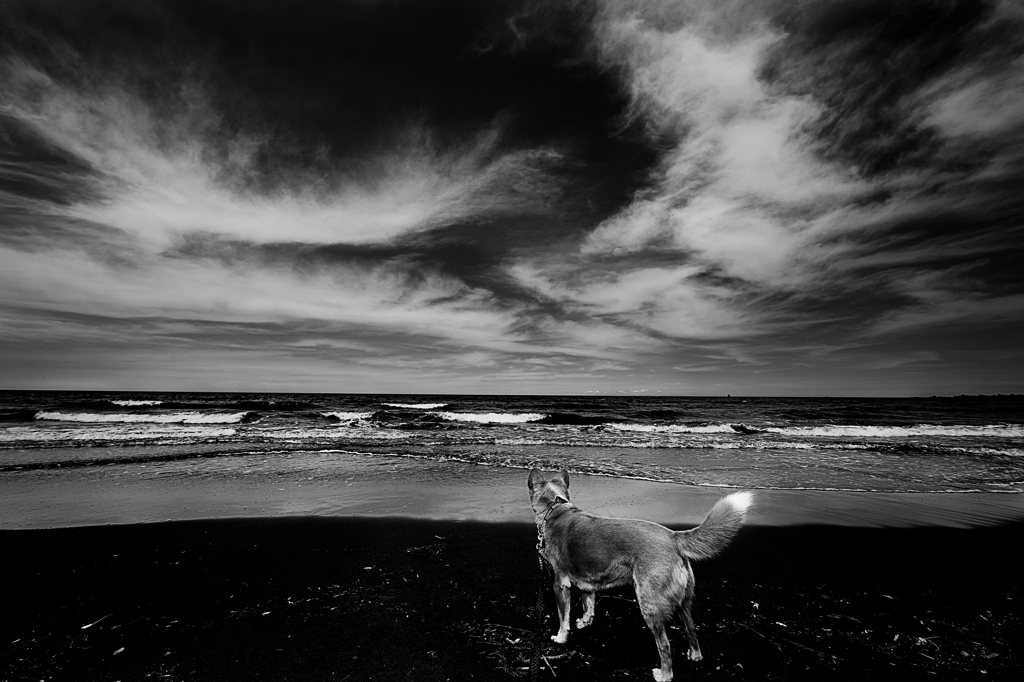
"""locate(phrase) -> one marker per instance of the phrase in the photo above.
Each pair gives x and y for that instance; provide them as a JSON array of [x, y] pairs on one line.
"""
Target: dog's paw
[[583, 622], [560, 638], [659, 677], [694, 655]]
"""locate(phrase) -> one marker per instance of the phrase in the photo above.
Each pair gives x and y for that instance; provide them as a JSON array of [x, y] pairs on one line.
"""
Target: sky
[[685, 197]]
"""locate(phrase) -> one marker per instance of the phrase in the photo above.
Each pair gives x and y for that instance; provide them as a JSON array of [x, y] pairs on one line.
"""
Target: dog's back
[[583, 543], [599, 553]]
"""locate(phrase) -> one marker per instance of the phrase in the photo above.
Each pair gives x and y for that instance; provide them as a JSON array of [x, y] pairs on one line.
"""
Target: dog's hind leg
[[656, 611], [691, 630], [562, 598], [589, 599], [663, 674]]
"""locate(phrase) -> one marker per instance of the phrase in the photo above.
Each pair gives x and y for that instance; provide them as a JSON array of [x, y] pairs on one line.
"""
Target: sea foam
[[168, 418], [870, 431], [492, 417]]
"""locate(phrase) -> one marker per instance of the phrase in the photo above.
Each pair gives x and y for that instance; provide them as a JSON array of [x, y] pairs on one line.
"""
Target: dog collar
[[542, 526]]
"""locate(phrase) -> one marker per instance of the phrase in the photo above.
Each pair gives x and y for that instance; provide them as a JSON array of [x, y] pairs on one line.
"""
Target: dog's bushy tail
[[719, 527]]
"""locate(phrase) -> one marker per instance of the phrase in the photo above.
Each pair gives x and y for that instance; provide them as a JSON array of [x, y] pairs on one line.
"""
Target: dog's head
[[545, 493]]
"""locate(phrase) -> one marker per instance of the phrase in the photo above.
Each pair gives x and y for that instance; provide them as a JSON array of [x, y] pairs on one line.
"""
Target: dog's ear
[[536, 479], [563, 477]]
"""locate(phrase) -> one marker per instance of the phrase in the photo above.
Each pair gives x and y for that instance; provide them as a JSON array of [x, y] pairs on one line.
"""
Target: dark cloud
[[861, 61]]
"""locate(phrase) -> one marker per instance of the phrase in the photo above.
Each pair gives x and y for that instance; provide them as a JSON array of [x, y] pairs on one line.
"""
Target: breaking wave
[[684, 428], [347, 416], [148, 418], [164, 435], [492, 417], [993, 430]]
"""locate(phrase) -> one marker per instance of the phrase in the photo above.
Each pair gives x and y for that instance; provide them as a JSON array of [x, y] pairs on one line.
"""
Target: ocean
[[967, 444]]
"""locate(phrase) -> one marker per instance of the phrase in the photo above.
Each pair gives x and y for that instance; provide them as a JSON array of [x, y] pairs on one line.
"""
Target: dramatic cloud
[[687, 196], [769, 208]]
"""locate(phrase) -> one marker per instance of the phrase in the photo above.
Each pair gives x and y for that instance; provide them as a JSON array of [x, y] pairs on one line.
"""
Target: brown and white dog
[[599, 553]]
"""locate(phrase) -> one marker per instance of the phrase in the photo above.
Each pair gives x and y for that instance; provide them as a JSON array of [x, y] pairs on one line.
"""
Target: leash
[[538, 608], [545, 580]]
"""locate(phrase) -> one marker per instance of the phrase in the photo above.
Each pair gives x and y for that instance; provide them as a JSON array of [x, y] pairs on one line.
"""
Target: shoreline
[[346, 598], [452, 491]]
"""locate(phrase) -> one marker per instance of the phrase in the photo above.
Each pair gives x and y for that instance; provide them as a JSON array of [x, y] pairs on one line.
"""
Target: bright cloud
[[741, 155], [160, 175]]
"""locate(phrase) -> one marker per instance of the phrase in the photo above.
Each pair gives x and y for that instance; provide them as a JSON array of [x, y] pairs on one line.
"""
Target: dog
[[597, 553]]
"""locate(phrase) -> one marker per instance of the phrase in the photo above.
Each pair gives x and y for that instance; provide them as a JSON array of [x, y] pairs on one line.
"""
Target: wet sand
[[448, 490], [409, 574]]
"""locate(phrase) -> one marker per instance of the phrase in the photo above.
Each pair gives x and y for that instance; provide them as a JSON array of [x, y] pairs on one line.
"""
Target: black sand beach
[[315, 598]]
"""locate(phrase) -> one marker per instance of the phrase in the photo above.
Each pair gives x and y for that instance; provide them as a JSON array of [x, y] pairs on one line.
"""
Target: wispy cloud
[[163, 174], [160, 179]]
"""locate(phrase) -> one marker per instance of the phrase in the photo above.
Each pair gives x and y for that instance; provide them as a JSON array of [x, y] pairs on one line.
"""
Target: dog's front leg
[[562, 598], [589, 599]]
